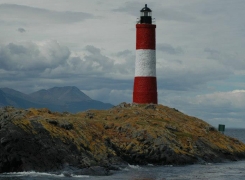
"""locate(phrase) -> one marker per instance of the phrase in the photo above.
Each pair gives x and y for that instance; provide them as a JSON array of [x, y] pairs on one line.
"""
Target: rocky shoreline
[[97, 141]]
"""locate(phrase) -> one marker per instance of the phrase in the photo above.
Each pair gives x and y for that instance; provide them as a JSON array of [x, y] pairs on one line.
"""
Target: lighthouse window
[[145, 13]]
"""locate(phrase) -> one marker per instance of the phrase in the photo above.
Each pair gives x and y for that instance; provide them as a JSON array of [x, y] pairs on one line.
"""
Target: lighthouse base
[[145, 90]]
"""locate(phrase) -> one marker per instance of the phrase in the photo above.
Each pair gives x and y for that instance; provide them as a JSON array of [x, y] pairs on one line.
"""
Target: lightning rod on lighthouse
[[145, 82]]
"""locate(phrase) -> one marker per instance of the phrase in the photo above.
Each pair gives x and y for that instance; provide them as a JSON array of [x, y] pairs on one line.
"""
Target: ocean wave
[[134, 166], [39, 174], [150, 165]]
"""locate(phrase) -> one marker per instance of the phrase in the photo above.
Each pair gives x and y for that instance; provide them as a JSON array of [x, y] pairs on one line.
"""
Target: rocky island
[[97, 141]]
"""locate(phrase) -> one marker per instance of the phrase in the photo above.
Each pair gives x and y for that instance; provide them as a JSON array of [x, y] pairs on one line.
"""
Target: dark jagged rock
[[96, 141]]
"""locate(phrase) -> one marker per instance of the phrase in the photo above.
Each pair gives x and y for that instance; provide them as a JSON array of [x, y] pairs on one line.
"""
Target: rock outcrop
[[96, 141]]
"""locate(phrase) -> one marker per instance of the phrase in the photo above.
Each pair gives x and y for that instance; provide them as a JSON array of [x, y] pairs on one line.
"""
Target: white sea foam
[[134, 166], [38, 174], [80, 176], [150, 165], [30, 173]]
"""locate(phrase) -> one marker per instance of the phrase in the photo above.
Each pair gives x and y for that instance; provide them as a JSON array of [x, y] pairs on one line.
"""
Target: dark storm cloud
[[169, 49], [41, 15], [21, 30]]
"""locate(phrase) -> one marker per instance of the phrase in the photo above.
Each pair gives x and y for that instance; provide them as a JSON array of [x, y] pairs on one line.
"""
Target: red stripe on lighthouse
[[144, 84], [145, 90], [145, 36]]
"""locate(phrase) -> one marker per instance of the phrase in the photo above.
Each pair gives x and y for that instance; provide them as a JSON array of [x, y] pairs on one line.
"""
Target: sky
[[90, 44]]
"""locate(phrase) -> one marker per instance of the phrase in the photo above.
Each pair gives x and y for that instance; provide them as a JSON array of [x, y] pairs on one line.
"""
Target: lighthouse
[[145, 82]]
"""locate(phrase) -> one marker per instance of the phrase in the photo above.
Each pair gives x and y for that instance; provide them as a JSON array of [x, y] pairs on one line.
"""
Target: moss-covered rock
[[40, 140]]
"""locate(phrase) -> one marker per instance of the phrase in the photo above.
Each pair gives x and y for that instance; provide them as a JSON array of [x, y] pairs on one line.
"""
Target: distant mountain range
[[60, 99]]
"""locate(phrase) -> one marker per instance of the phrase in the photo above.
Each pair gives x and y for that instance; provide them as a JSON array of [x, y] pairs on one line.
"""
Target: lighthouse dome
[[145, 9]]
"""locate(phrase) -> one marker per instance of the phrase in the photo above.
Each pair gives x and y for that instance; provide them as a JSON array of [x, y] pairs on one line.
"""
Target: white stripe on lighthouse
[[145, 63]]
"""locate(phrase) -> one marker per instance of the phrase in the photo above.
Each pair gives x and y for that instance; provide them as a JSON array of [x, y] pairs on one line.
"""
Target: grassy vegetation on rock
[[131, 133]]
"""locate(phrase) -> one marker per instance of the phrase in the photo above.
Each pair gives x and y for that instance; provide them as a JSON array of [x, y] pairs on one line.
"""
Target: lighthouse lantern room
[[145, 83], [145, 15]]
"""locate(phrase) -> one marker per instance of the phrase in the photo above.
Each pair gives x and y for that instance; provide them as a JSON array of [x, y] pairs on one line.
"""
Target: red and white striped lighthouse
[[145, 82]]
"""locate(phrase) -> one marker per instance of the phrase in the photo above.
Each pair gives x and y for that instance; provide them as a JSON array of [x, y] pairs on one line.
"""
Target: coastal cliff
[[96, 141]]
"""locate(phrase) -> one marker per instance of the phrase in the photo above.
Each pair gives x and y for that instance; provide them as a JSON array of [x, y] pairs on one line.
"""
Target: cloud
[[29, 56], [159, 12], [164, 47], [232, 100], [124, 53], [53, 58], [48, 63], [229, 59], [173, 15], [21, 30], [212, 53], [221, 107], [131, 8], [189, 74], [93, 63], [92, 49], [38, 15], [215, 108], [125, 62]]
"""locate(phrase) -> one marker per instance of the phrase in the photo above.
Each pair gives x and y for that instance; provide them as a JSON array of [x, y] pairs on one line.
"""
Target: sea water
[[218, 171]]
